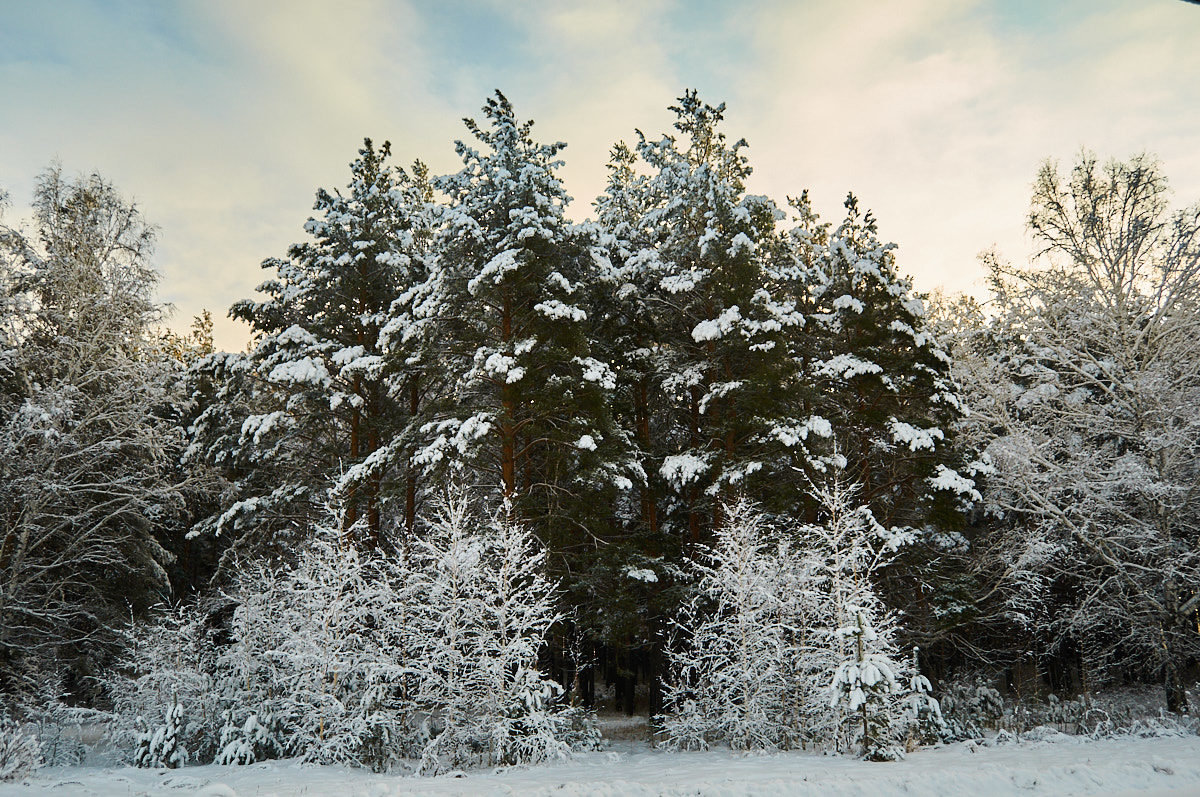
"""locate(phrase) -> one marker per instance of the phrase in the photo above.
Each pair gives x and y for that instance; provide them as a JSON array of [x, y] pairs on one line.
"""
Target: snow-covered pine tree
[[634, 571], [881, 383], [313, 399], [627, 334], [924, 713], [528, 410], [877, 375], [719, 290], [743, 669], [255, 739]]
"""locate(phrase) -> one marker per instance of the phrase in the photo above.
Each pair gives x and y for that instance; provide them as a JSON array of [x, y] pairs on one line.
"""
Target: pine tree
[[527, 411], [712, 277], [878, 377], [313, 400]]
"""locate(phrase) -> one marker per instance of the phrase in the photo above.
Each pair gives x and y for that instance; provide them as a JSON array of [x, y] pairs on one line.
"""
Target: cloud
[[938, 113], [222, 118]]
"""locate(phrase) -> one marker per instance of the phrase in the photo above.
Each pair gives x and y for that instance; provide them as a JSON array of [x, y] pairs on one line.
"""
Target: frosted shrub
[[485, 613], [169, 666], [970, 706], [322, 650], [20, 753], [372, 660], [744, 669], [785, 643]]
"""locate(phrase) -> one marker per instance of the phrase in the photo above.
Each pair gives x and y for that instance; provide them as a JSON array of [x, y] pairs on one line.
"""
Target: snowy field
[[1057, 765]]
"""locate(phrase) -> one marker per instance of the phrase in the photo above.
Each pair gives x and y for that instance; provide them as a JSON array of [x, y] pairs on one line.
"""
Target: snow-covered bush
[[169, 664], [743, 667], [369, 659], [785, 643], [163, 745], [20, 753], [322, 649], [484, 615]]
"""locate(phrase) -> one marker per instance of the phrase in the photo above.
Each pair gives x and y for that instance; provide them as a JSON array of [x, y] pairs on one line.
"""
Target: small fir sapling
[[163, 746], [254, 740], [849, 547], [926, 724], [866, 687]]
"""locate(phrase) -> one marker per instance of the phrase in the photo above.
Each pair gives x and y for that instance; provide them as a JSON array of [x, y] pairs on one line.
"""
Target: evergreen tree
[[527, 413], [312, 400], [878, 377], [866, 686], [848, 549], [712, 275]]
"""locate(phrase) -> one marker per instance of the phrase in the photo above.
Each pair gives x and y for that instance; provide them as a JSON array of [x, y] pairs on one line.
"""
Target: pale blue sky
[[222, 117]]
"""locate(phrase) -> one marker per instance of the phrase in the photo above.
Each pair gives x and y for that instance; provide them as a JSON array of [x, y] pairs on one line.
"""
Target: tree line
[[617, 388]]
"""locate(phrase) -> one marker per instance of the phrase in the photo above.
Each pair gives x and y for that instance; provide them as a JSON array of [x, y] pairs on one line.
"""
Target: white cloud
[[223, 118]]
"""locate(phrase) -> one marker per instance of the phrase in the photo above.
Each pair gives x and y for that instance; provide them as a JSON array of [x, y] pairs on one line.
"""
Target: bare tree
[[1086, 396], [83, 440]]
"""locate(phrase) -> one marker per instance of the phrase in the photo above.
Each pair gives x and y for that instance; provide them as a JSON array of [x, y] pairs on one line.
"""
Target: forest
[[483, 470]]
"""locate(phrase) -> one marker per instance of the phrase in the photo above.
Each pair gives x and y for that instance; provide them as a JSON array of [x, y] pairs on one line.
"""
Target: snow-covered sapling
[[163, 746], [925, 721], [20, 752], [866, 687]]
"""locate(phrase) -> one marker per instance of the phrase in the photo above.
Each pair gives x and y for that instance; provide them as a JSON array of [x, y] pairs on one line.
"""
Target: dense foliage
[[704, 447]]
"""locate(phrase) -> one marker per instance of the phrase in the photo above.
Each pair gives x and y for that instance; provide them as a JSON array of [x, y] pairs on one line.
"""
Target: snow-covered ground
[[1057, 765]]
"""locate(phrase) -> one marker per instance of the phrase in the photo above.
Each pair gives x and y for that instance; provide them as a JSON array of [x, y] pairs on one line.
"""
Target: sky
[[221, 118]]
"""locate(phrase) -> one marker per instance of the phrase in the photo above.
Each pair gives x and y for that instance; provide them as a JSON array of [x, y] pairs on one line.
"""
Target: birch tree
[[1087, 403]]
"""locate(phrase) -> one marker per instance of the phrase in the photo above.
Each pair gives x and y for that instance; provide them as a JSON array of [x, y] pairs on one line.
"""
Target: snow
[[556, 310], [305, 371], [682, 469], [642, 574], [846, 366], [950, 480], [916, 438], [716, 328], [1055, 764]]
